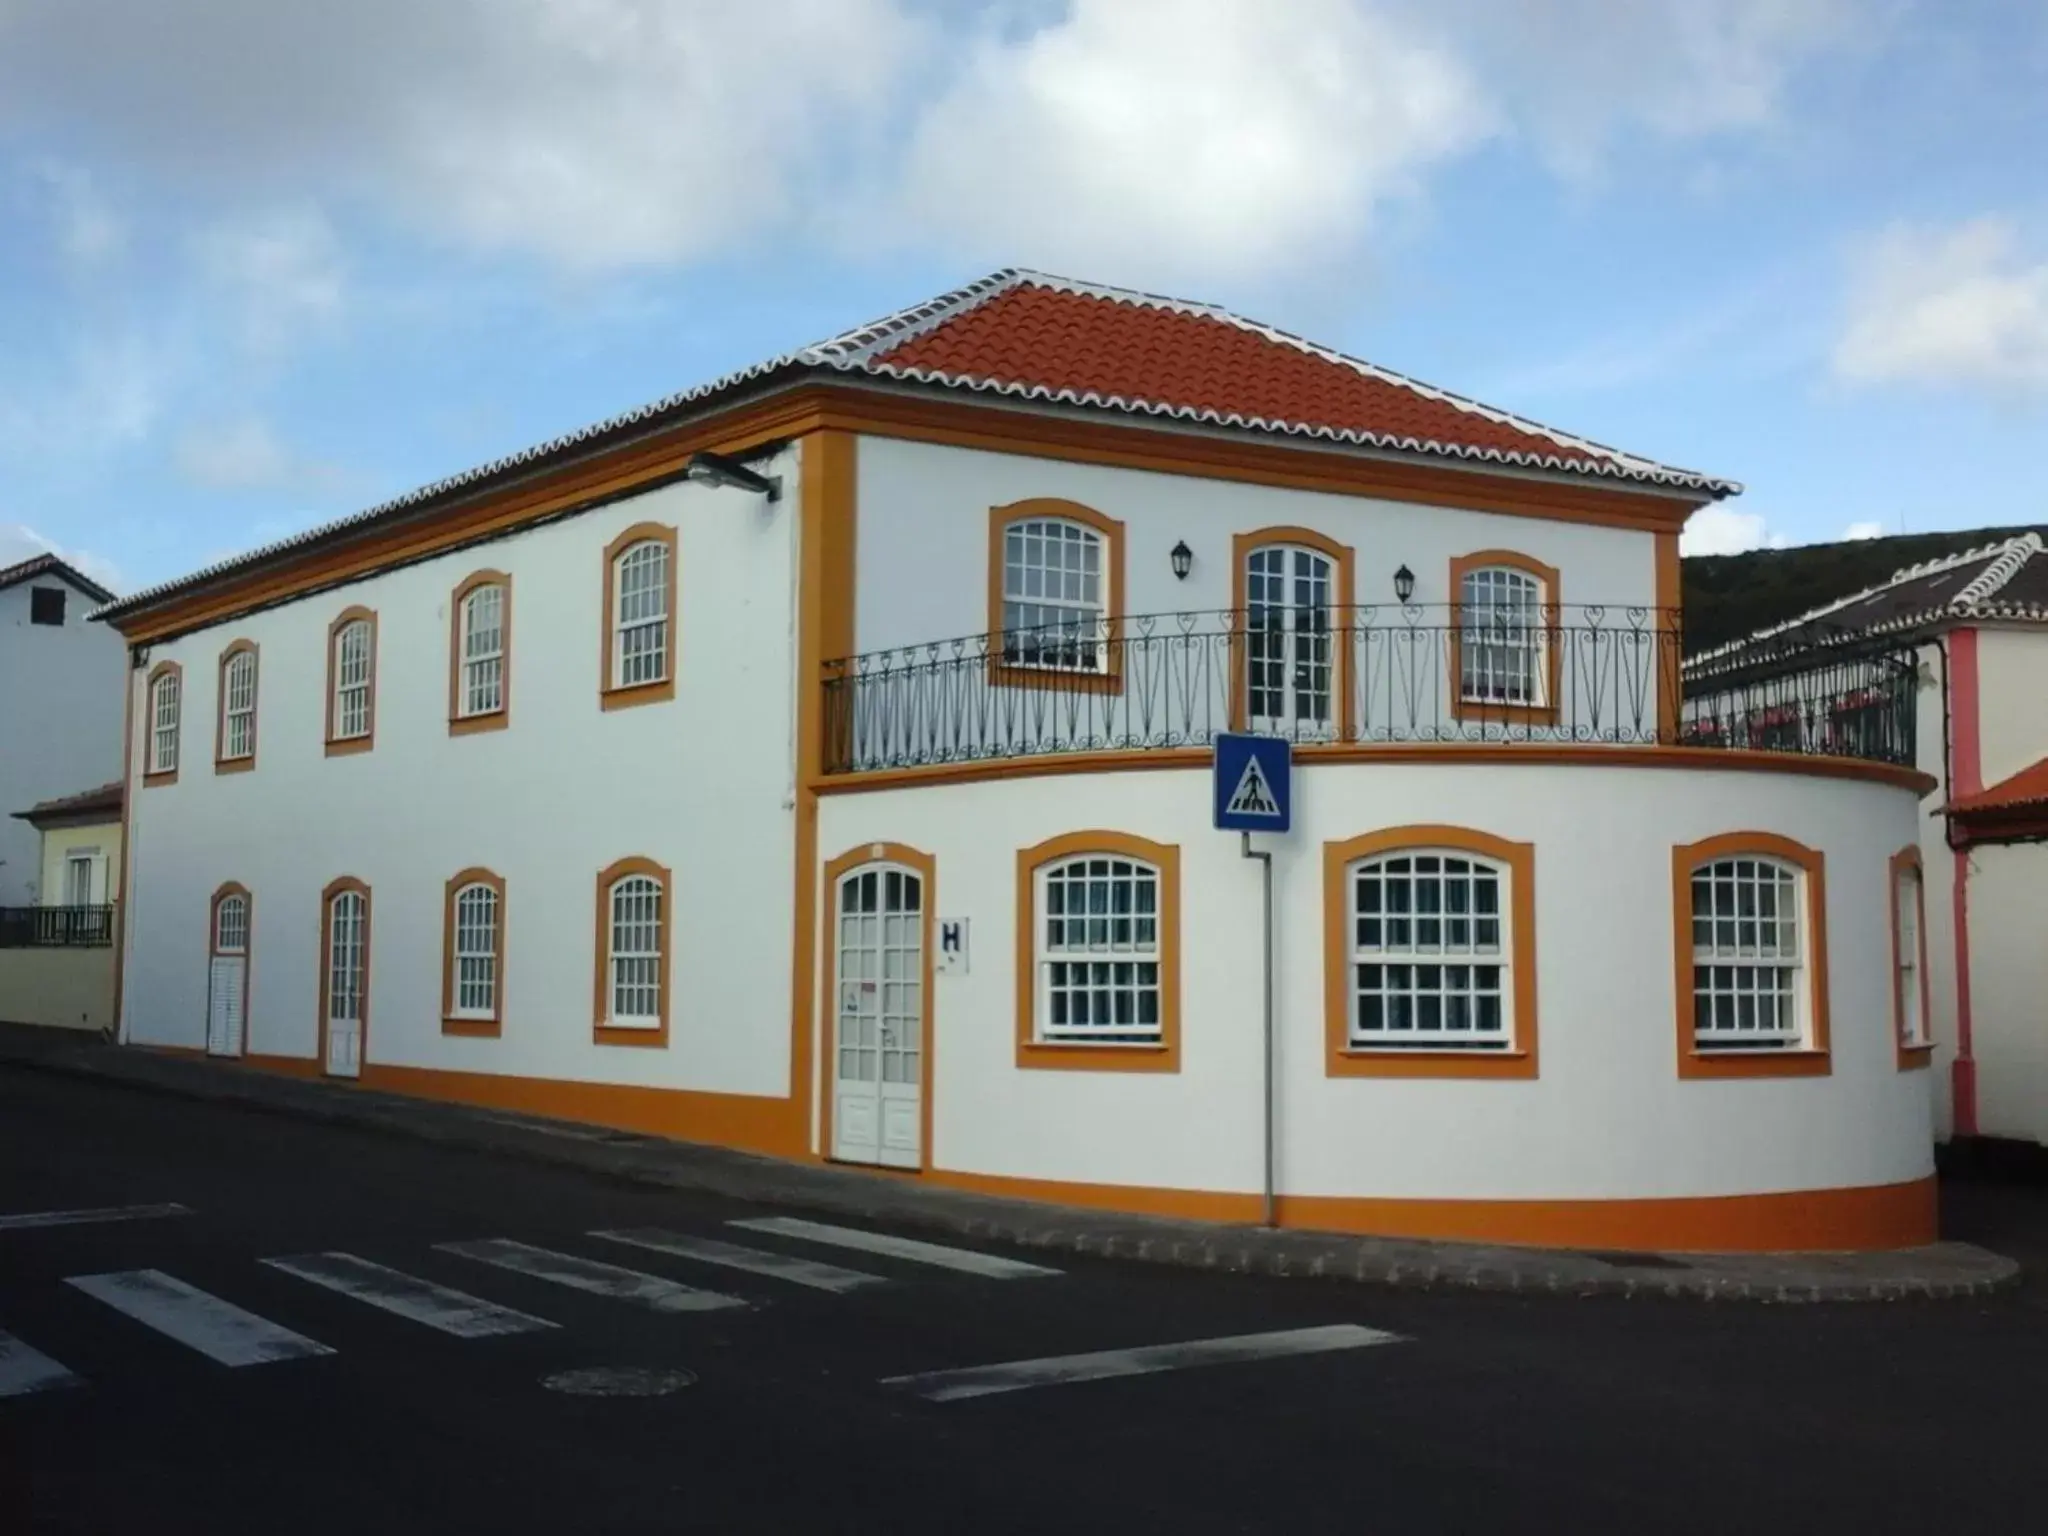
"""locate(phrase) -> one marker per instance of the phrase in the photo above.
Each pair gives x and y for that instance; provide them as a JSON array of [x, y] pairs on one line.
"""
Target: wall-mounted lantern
[[1404, 584], [1183, 560]]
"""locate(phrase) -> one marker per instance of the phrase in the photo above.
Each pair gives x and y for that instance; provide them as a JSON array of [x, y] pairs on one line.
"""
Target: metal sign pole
[[1266, 881]]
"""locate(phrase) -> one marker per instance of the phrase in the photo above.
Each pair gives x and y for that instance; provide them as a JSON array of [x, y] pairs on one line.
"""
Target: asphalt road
[[784, 1411]]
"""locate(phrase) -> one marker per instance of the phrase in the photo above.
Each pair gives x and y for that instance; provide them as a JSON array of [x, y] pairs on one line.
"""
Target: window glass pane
[[1746, 910], [1502, 635], [640, 615], [1423, 997], [1115, 998], [1052, 596], [636, 956]]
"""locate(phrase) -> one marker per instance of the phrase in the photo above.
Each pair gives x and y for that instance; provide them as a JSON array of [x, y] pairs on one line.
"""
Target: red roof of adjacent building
[[1054, 342], [2025, 790]]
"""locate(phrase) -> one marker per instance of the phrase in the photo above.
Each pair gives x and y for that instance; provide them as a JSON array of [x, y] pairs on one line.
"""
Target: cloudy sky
[[263, 262]]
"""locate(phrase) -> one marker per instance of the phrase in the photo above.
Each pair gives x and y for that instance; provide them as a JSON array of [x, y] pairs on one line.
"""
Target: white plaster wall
[[702, 784], [2009, 999], [2012, 665], [1938, 868], [60, 720], [1608, 1118], [922, 555]]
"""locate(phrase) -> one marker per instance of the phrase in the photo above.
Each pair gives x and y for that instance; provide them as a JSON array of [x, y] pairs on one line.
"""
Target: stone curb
[[1944, 1271]]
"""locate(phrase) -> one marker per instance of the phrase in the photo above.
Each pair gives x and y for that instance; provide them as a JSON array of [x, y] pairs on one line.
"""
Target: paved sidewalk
[[1940, 1270]]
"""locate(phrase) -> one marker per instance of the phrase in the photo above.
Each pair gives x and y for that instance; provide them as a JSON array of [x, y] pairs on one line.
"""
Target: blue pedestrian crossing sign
[[1254, 784]]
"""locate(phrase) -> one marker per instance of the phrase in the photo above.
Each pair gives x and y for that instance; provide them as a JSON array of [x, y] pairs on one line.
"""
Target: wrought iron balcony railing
[[1383, 674], [56, 927]]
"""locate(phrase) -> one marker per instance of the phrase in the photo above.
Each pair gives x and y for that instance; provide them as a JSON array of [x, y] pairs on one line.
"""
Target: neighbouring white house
[[1972, 627], [57, 956], [636, 778], [60, 705]]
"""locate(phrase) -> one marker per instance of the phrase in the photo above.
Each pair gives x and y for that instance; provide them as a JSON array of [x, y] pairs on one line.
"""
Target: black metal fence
[[56, 927], [1383, 674]]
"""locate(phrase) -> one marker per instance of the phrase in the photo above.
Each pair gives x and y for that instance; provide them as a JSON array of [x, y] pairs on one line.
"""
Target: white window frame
[[651, 983], [1113, 948], [347, 947], [1916, 1031], [1504, 634], [349, 690], [1732, 949], [651, 622], [89, 858], [1063, 630], [166, 712], [238, 706], [475, 969], [1431, 953], [482, 690], [221, 929], [1303, 627]]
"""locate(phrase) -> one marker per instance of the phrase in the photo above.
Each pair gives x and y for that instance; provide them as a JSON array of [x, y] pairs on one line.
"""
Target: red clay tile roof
[[2025, 789], [1185, 358], [1053, 341]]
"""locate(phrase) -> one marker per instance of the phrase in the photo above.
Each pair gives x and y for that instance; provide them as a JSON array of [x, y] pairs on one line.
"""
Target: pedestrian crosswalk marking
[[1253, 795], [24, 1370], [408, 1296], [24, 1219], [966, 1260], [814, 1273], [590, 1275], [1057, 1370], [217, 1329]]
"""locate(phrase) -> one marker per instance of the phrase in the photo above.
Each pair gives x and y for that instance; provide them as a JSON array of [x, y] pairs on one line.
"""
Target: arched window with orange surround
[[480, 654], [234, 732], [1055, 596], [1292, 591], [165, 698], [1750, 946], [473, 954], [1504, 638], [634, 966], [640, 617], [1430, 954], [1098, 953], [352, 682]]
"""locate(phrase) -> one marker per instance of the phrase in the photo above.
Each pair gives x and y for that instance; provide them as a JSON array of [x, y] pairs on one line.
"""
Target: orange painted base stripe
[[1868, 1217], [720, 1119]]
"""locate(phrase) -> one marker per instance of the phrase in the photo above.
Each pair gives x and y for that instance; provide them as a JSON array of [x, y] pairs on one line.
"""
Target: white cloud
[[592, 133], [1578, 74], [1947, 306], [280, 270], [1859, 531], [88, 231], [1233, 136], [1724, 531], [236, 455], [19, 542]]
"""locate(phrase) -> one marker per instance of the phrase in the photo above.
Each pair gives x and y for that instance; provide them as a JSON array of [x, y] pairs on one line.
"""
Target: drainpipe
[[1965, 775]]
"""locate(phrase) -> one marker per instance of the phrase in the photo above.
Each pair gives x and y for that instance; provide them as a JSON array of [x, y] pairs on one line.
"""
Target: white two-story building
[[60, 716], [636, 779]]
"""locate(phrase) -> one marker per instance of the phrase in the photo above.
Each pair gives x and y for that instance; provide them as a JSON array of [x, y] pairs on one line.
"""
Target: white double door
[[227, 1005], [878, 1026]]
